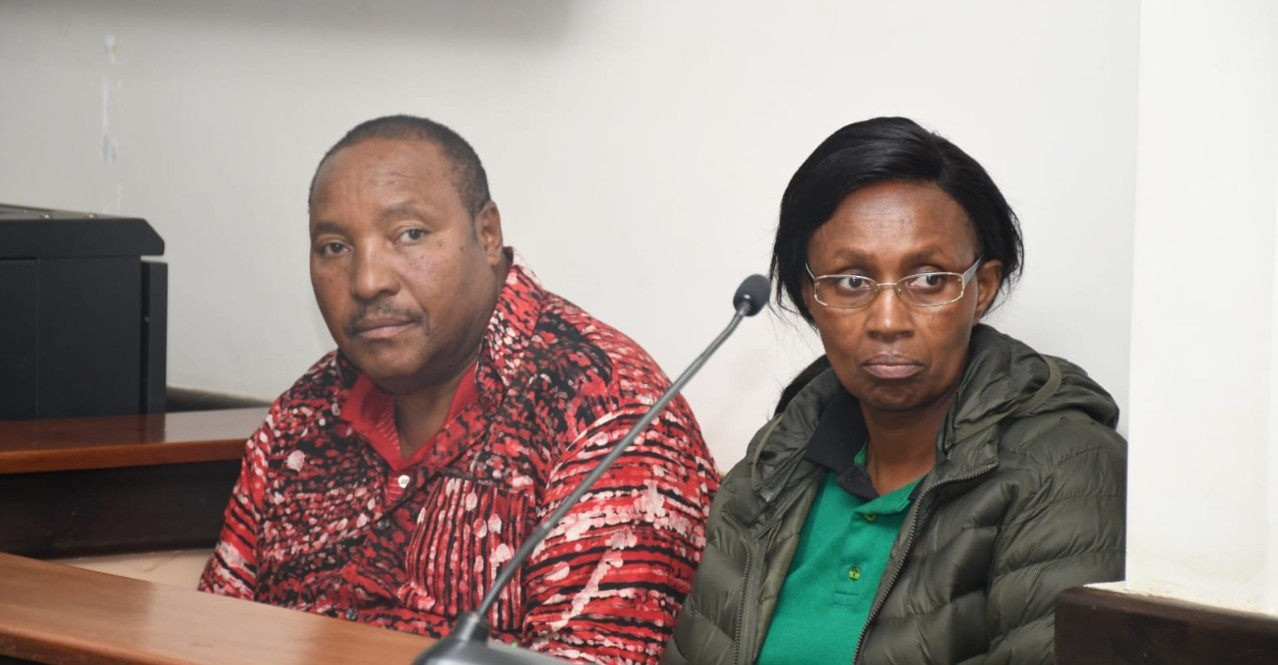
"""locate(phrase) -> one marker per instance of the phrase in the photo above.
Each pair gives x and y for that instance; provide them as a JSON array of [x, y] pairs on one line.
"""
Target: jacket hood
[[1006, 378]]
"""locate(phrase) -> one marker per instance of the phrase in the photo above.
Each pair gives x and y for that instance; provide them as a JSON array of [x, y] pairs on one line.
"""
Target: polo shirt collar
[[371, 413], [839, 436]]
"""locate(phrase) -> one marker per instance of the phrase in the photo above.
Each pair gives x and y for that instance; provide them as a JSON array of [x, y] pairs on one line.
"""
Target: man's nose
[[372, 274]]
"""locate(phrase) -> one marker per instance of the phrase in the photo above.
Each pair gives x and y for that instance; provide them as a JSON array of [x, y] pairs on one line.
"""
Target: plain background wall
[[637, 150], [1202, 502]]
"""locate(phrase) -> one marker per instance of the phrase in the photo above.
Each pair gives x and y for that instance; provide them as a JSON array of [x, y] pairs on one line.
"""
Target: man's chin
[[394, 384], [392, 377]]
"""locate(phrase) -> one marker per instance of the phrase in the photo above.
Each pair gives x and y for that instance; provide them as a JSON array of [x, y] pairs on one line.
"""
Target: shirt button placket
[[352, 613]]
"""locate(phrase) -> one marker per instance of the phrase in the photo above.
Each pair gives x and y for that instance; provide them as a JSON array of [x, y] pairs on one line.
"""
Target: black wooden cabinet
[[82, 316]]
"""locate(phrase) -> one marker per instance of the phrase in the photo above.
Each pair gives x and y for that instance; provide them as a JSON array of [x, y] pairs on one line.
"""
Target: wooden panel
[[1095, 627], [30, 446], [79, 486], [59, 615], [107, 511]]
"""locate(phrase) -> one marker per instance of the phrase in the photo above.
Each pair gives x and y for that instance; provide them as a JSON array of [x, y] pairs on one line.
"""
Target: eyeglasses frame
[[966, 276]]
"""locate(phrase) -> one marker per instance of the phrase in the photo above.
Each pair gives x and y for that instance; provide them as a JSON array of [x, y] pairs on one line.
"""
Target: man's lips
[[380, 328], [891, 367]]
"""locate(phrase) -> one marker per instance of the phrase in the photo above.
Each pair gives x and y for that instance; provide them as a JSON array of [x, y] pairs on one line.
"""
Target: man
[[463, 402]]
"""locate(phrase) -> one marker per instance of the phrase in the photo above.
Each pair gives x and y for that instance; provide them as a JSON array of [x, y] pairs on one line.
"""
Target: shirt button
[[383, 523], [870, 517], [352, 613], [402, 481], [854, 573]]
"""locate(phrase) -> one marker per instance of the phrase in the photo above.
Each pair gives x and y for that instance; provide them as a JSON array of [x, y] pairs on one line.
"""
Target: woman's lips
[[891, 367]]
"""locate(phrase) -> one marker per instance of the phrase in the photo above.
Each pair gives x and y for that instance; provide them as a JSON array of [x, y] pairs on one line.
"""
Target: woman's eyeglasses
[[925, 289]]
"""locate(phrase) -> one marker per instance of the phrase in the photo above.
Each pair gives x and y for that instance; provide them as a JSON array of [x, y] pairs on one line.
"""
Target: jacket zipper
[[738, 656], [899, 562]]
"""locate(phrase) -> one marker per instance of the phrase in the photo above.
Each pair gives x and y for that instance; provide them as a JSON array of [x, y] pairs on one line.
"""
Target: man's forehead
[[385, 160], [374, 150]]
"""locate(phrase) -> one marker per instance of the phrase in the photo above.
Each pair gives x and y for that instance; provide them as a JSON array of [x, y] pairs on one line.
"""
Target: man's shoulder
[[315, 395], [299, 414], [328, 375], [568, 336]]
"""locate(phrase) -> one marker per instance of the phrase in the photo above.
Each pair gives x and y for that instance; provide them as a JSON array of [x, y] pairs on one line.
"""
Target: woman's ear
[[809, 295], [987, 279]]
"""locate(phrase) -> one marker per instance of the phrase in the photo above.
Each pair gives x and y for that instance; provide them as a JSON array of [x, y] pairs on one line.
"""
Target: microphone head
[[752, 295]]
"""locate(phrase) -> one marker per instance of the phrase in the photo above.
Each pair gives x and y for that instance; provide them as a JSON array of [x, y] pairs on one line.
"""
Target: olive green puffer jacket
[[1026, 500]]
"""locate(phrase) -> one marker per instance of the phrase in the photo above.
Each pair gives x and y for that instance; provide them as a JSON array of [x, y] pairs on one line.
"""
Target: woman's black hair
[[881, 150]]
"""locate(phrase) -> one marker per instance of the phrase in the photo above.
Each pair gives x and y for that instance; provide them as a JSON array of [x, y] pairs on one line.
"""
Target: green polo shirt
[[842, 553]]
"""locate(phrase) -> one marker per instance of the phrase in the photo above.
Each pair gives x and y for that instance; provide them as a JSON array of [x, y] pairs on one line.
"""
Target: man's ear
[[987, 279], [488, 233]]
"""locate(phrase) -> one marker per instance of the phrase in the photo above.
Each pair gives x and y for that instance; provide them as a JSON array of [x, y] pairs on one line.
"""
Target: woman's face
[[894, 357]]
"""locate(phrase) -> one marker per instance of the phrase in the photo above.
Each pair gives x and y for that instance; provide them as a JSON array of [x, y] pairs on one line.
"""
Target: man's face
[[406, 280], [891, 356]]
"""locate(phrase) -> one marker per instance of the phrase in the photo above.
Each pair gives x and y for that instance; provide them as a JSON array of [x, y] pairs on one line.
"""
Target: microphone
[[468, 642]]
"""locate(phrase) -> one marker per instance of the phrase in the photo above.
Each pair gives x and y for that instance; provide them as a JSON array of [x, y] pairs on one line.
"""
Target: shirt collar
[[370, 412], [839, 436], [519, 307]]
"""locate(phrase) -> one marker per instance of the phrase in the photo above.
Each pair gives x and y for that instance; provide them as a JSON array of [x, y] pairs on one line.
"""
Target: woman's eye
[[852, 283], [928, 281]]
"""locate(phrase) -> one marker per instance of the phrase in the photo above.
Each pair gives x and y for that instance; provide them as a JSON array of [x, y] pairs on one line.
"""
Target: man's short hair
[[469, 178]]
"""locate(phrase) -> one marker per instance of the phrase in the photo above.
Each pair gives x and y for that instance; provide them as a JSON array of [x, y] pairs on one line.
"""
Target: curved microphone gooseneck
[[467, 643]]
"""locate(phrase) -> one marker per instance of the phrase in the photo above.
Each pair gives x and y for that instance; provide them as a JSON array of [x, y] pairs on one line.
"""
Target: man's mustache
[[377, 315]]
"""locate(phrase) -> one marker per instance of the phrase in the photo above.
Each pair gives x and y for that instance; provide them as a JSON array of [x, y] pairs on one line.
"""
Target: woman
[[926, 499]]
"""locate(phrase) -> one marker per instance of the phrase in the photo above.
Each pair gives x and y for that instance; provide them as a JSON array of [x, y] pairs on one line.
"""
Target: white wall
[[1203, 491], [637, 149]]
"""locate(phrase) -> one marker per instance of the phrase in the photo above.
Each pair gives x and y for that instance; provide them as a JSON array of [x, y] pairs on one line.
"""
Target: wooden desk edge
[[118, 456], [225, 443], [60, 615]]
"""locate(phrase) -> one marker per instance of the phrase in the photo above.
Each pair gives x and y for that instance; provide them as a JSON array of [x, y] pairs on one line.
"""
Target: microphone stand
[[467, 643]]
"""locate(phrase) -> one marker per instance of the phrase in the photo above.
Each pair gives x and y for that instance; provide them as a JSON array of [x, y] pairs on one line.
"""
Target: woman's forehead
[[896, 221]]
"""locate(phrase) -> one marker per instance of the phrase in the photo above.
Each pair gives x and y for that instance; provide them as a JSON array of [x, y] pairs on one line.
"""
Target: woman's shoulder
[[1050, 439], [1046, 407]]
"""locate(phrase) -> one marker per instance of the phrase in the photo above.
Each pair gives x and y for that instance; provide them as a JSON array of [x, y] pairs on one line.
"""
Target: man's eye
[[413, 234], [331, 248]]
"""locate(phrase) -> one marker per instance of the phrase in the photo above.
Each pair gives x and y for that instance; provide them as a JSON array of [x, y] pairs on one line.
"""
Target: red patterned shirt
[[320, 521]]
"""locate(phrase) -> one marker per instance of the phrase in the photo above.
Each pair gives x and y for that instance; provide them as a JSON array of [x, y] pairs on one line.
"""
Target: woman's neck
[[902, 445]]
